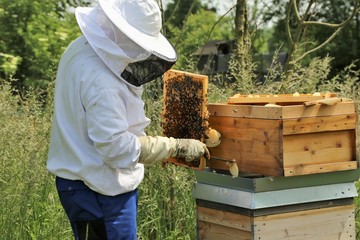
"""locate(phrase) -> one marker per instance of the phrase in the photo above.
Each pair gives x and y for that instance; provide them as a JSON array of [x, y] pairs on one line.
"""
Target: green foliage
[[34, 34], [314, 77], [307, 79], [153, 104], [9, 63], [344, 48], [199, 28], [346, 83], [29, 207], [40, 30], [261, 40], [166, 208], [177, 11]]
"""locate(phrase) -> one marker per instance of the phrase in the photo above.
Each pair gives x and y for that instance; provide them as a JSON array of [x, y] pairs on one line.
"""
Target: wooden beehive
[[332, 220], [317, 206], [296, 136], [184, 113]]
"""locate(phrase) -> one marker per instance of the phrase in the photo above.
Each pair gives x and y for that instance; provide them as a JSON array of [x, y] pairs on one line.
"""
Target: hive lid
[[283, 112], [283, 99]]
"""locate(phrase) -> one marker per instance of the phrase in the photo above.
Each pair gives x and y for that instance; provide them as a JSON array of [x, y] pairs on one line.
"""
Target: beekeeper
[[98, 146]]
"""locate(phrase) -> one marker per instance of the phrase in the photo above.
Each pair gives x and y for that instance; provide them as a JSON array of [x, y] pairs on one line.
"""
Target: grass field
[[29, 206]]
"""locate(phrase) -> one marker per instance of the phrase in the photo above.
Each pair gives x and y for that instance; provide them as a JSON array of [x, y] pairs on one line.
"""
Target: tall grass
[[166, 208], [29, 206]]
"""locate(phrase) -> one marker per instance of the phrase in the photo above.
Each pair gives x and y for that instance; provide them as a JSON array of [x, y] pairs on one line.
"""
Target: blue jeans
[[94, 216]]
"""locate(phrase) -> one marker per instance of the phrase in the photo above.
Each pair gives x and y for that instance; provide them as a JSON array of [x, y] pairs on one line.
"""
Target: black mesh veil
[[144, 71]]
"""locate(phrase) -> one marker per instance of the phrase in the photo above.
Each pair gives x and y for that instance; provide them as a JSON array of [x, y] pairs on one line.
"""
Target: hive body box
[[334, 222], [285, 141], [317, 207]]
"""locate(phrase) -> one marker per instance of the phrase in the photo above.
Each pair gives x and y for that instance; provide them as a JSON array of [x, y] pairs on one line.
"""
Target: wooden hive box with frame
[[285, 135]]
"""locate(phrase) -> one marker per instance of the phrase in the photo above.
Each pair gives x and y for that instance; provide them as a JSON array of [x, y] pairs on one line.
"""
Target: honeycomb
[[184, 112]]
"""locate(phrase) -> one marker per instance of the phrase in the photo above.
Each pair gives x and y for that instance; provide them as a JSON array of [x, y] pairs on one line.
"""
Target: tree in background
[[176, 12], [303, 21], [242, 56], [346, 47], [33, 35], [312, 28], [190, 25]]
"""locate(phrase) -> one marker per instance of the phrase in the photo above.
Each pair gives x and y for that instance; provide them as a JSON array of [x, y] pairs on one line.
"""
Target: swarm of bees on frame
[[182, 115]]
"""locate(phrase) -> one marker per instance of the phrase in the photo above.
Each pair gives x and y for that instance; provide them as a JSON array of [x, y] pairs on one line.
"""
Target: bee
[[183, 101], [183, 105]]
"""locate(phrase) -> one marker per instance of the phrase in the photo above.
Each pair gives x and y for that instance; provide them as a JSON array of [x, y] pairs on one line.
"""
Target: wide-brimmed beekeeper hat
[[140, 20]]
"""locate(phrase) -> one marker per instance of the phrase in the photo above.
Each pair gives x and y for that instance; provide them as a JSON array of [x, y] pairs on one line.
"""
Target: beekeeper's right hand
[[157, 149]]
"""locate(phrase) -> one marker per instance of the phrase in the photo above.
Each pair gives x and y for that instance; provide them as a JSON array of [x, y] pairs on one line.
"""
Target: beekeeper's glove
[[156, 149]]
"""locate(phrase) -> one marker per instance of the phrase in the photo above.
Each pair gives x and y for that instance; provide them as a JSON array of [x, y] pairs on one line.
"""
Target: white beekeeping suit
[[98, 147], [99, 115]]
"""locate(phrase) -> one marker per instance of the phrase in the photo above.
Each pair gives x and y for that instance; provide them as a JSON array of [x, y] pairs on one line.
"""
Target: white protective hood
[[111, 45]]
